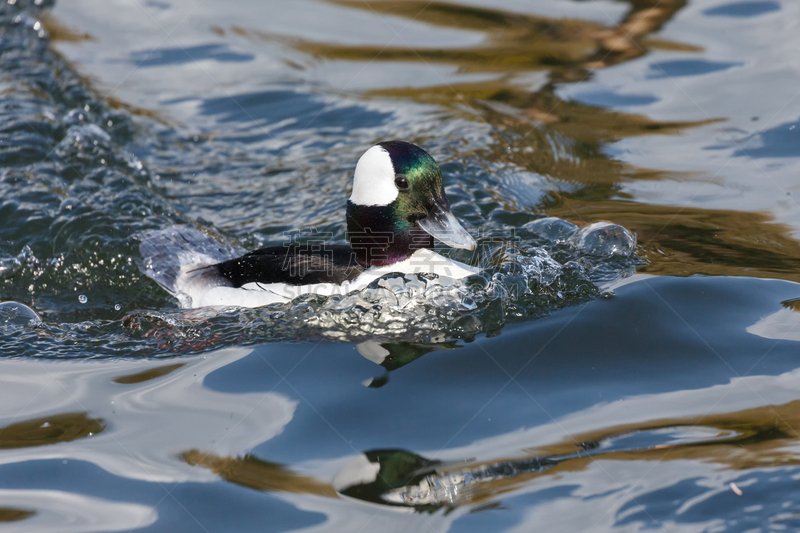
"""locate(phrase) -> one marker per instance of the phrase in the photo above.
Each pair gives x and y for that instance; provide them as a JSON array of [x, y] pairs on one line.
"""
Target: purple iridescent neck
[[380, 238]]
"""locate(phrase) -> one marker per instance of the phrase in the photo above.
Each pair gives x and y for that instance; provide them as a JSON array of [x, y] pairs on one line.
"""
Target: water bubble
[[83, 299], [552, 228], [69, 204], [604, 239], [87, 142], [117, 307], [118, 125], [76, 117], [9, 266], [14, 315]]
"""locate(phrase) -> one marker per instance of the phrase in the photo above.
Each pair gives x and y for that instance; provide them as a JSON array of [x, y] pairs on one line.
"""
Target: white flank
[[259, 294], [373, 183]]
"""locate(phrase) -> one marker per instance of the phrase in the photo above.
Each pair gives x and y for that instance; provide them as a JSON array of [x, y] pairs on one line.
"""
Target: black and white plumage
[[295, 264], [397, 207]]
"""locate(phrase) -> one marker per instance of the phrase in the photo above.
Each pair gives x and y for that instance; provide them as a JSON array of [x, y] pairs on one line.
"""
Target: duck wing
[[293, 264]]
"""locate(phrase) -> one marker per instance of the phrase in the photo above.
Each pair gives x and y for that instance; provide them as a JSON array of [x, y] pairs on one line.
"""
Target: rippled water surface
[[626, 360]]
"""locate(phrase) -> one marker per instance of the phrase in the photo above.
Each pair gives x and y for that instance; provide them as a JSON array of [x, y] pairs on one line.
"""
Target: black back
[[293, 264]]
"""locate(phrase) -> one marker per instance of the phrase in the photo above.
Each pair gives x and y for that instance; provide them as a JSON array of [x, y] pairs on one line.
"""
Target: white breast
[[423, 261]]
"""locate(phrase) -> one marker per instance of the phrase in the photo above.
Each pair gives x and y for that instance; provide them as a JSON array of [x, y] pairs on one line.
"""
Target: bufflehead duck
[[397, 207]]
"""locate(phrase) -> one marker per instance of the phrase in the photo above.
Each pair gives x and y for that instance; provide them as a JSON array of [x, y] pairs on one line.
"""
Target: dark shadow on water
[[743, 9], [288, 110], [178, 56], [613, 99], [778, 142], [687, 67]]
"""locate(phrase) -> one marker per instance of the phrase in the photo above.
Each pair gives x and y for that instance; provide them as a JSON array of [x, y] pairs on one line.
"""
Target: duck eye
[[401, 183]]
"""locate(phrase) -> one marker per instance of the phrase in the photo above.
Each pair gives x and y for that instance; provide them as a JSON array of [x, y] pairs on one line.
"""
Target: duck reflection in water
[[394, 355], [403, 479]]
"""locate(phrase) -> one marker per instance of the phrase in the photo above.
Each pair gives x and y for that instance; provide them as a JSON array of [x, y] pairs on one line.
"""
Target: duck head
[[398, 206]]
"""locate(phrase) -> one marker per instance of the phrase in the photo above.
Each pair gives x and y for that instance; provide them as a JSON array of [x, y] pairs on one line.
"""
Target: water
[[587, 380]]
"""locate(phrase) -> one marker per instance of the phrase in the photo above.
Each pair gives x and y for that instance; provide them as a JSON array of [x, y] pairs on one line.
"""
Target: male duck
[[397, 207]]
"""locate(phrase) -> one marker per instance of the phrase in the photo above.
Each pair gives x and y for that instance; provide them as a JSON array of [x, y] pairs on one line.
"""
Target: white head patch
[[373, 183]]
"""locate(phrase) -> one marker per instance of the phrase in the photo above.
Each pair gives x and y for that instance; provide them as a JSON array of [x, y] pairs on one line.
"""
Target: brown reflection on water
[[628, 40], [514, 42], [60, 33], [147, 375], [571, 146], [760, 437], [49, 430], [515, 47], [9, 514], [254, 473], [686, 241], [793, 304], [764, 437]]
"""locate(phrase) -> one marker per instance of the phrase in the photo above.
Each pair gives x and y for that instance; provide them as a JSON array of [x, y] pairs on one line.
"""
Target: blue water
[[577, 384]]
